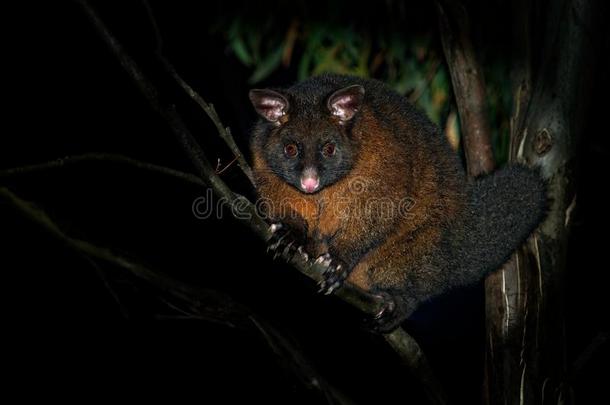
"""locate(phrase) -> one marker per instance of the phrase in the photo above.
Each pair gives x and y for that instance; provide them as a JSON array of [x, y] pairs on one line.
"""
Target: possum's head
[[306, 139]]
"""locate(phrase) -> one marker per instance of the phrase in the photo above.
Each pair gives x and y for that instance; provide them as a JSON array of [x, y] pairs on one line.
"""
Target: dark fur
[[457, 230]]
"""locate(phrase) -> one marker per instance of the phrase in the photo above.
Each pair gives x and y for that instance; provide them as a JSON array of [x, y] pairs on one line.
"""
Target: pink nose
[[310, 184]]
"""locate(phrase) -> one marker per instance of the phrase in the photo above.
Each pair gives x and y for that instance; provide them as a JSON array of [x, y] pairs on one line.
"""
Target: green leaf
[[241, 52], [267, 65]]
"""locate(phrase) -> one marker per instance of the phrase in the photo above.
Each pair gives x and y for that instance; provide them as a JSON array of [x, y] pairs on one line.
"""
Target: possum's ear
[[344, 103], [269, 104]]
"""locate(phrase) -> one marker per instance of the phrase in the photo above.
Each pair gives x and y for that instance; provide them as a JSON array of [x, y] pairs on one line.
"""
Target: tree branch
[[309, 377], [108, 284], [223, 132], [246, 213], [469, 91], [412, 356], [468, 85], [103, 157], [40, 217]]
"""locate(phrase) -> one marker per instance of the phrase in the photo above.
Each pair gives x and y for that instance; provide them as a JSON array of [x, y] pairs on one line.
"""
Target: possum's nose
[[310, 180]]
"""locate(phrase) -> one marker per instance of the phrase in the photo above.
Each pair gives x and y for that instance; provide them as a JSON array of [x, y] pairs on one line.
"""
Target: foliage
[[411, 62]]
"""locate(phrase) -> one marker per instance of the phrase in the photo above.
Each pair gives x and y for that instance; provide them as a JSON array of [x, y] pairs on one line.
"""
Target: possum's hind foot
[[391, 315]]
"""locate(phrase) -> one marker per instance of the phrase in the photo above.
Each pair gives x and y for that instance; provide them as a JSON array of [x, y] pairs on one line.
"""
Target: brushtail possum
[[374, 192]]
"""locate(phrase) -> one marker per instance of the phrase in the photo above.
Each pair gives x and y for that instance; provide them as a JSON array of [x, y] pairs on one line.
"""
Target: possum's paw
[[284, 243], [335, 273], [391, 315]]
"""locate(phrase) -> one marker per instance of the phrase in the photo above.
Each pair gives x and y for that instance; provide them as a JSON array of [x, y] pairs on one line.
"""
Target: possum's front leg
[[286, 242]]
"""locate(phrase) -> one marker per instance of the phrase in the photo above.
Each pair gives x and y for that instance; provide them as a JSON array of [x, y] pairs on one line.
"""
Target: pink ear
[[346, 102], [269, 104]]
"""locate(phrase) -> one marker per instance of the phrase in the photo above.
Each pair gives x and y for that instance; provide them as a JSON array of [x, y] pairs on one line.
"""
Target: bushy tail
[[505, 208]]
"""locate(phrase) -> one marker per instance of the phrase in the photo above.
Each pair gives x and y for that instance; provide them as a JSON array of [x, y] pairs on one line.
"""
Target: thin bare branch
[[108, 284], [414, 359], [242, 209], [104, 158], [38, 216], [310, 378], [153, 25], [223, 132]]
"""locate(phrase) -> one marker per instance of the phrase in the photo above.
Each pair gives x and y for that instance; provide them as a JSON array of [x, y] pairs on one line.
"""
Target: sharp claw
[[279, 241], [282, 243], [284, 236], [333, 287], [387, 307], [303, 254], [286, 250]]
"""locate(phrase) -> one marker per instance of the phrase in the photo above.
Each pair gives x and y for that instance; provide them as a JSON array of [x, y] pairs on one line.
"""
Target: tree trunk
[[525, 355]]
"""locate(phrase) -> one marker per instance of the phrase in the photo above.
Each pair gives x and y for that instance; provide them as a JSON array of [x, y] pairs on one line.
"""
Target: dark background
[[73, 97]]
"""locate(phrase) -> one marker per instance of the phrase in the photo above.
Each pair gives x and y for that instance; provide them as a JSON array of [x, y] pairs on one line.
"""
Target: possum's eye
[[328, 149], [291, 150]]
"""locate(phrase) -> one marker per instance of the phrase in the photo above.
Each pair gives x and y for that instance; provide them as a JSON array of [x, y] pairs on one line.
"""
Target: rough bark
[[468, 86], [525, 337], [525, 355]]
